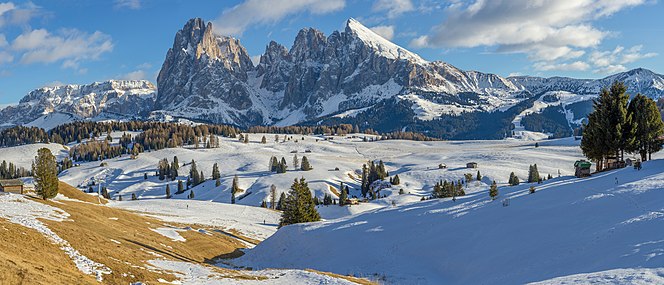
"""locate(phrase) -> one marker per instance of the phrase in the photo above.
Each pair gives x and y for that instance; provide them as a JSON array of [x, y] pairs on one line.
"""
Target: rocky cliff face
[[133, 99]]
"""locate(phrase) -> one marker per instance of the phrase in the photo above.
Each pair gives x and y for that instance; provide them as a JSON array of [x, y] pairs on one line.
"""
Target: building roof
[[11, 182]]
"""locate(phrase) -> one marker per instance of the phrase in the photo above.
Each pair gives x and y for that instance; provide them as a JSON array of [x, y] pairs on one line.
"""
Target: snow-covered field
[[570, 231], [606, 229]]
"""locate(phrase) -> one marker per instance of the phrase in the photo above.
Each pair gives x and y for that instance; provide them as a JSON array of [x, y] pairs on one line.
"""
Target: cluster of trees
[[342, 129], [514, 180], [533, 174], [372, 174], [168, 170], [395, 180], [195, 177], [298, 206], [95, 150], [11, 171], [277, 165], [343, 195], [618, 125], [280, 166], [22, 135], [444, 189]]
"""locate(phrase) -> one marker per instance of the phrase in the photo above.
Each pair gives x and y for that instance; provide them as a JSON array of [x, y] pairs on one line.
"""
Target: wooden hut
[[11, 186]]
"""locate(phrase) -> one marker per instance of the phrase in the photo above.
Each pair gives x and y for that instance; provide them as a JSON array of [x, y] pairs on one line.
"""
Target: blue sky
[[52, 42]]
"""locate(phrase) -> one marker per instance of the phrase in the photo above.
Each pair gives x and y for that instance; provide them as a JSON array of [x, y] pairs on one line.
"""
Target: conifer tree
[[493, 191], [533, 174], [191, 194], [263, 203], [395, 180], [145, 176], [305, 164], [299, 206], [246, 138], [168, 191], [282, 200], [343, 196], [133, 196], [296, 162], [479, 176], [648, 127], [215, 171], [263, 140], [45, 172], [235, 188], [180, 187]]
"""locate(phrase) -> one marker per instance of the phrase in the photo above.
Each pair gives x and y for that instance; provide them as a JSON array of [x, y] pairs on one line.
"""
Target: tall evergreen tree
[[180, 187], [235, 188], [296, 162], [45, 172], [479, 176], [493, 190], [215, 171], [263, 140], [305, 164], [282, 200], [299, 206], [273, 197], [168, 191], [648, 127]]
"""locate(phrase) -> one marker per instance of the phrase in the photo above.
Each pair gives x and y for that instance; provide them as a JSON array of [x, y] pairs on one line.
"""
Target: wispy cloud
[[544, 30], [69, 46], [394, 8], [235, 20], [127, 4], [386, 32]]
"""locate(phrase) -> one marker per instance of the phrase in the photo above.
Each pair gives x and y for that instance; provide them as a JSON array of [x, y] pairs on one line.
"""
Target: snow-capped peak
[[385, 47]]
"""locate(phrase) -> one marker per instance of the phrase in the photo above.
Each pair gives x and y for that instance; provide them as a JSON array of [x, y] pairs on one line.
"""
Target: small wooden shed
[[11, 186], [471, 165]]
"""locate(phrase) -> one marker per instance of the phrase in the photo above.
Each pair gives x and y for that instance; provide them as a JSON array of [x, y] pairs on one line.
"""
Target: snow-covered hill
[[604, 229]]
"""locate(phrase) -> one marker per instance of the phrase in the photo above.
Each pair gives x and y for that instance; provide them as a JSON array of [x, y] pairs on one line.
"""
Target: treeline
[[618, 125], [342, 129], [11, 171], [154, 135]]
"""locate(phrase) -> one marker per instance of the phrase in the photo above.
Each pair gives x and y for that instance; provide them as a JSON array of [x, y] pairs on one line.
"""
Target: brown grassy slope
[[28, 257], [91, 232]]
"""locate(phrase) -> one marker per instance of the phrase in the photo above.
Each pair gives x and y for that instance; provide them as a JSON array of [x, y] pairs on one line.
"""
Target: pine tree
[[215, 171], [217, 182], [305, 164], [396, 180], [168, 191], [493, 191], [296, 162], [343, 196], [145, 176], [533, 174], [648, 127], [281, 202], [246, 138], [45, 172], [263, 140], [235, 188], [263, 203], [514, 180], [299, 205], [191, 194], [133, 197], [180, 187], [479, 176]]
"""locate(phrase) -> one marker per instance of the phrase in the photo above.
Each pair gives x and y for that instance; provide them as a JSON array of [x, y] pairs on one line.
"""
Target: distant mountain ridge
[[352, 76]]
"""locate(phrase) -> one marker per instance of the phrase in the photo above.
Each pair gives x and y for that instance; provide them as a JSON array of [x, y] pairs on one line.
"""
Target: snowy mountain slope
[[123, 98], [569, 226]]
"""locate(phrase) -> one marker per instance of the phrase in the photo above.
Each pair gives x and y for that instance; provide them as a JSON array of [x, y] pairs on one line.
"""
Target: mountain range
[[352, 76]]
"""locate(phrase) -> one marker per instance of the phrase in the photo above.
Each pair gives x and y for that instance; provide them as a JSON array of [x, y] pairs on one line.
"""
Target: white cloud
[[573, 66], [69, 46], [607, 62], [5, 57], [134, 75], [129, 4], [236, 20], [386, 32], [394, 8], [545, 30], [18, 15]]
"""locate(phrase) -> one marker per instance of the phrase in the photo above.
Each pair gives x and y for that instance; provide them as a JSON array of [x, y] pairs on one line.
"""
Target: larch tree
[[45, 172]]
